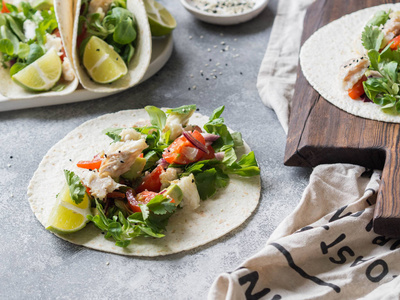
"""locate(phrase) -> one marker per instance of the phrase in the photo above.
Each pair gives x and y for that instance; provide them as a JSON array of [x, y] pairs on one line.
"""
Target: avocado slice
[[174, 192], [136, 169]]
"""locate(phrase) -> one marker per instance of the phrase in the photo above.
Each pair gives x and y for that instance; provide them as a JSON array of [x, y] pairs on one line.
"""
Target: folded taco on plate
[[357, 57], [111, 43], [151, 182], [33, 56]]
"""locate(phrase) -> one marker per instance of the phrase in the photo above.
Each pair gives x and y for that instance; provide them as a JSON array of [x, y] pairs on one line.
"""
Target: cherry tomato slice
[[396, 43], [56, 32], [183, 152], [93, 164], [142, 198], [4, 8], [152, 181], [358, 89]]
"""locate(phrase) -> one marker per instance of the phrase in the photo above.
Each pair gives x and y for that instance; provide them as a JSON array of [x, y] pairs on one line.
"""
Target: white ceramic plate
[[161, 52], [225, 19]]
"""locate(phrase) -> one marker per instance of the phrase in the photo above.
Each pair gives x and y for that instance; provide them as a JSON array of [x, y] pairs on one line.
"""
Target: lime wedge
[[160, 20], [103, 64], [66, 216], [42, 74]]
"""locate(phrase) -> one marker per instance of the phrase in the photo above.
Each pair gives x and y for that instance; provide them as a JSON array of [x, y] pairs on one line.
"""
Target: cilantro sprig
[[76, 188]]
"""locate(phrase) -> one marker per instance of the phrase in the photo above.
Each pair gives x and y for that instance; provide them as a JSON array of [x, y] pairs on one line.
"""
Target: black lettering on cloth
[[326, 227], [395, 245], [359, 260], [325, 247], [380, 240], [368, 228], [340, 253], [305, 229], [301, 272], [371, 267], [253, 278], [337, 215]]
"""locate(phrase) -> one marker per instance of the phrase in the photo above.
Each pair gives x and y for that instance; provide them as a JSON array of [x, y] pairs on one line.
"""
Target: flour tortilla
[[10, 89], [327, 49], [187, 229], [137, 66]]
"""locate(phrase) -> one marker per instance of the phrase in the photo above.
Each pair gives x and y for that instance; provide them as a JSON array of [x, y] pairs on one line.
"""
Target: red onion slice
[[220, 155], [195, 142], [162, 162], [210, 137]]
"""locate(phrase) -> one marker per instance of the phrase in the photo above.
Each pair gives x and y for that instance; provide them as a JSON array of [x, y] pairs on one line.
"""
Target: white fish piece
[[176, 122], [95, 6], [99, 186], [391, 29], [120, 157], [128, 134], [352, 71], [169, 175], [191, 197]]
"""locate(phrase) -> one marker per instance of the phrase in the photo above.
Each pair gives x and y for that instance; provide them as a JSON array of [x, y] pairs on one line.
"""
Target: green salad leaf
[[379, 18], [76, 188]]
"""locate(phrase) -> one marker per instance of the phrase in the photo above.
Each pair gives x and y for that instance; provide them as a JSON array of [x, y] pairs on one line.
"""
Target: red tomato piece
[[183, 152], [211, 153], [152, 181], [4, 8], [57, 33], [358, 89], [142, 198], [93, 164], [396, 43], [81, 37]]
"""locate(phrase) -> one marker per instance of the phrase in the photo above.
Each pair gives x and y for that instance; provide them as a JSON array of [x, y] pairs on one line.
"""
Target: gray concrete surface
[[35, 264]]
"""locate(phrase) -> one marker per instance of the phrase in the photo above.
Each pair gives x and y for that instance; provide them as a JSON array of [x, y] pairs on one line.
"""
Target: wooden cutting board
[[321, 133]]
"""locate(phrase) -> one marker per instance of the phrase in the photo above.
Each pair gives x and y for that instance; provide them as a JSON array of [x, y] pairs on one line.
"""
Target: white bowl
[[225, 19]]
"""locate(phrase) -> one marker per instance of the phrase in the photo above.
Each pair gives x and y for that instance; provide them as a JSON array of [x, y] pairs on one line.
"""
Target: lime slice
[[103, 64], [42, 74], [160, 20], [66, 216]]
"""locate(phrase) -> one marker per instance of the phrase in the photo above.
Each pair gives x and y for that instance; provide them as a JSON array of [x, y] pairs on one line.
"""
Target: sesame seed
[[121, 161], [201, 36], [194, 87], [188, 89], [190, 37], [209, 50], [11, 157]]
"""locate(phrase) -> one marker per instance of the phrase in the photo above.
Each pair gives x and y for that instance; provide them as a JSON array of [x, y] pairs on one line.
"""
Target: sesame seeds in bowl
[[224, 12]]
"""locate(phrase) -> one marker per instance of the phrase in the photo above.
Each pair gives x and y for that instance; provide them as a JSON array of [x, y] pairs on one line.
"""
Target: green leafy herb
[[113, 133], [379, 18], [76, 188], [372, 38], [157, 116], [182, 110], [151, 221]]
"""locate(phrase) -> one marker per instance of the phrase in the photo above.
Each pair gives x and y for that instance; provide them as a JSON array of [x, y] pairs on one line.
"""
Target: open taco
[[111, 43], [33, 54], [152, 183], [353, 62]]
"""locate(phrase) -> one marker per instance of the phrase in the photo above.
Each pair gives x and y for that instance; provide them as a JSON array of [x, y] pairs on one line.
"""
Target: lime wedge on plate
[[103, 64], [42, 74], [66, 216], [160, 20]]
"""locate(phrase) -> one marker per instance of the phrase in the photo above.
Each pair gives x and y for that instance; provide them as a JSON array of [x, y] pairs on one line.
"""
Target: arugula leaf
[[113, 133], [76, 188], [16, 68], [379, 18], [157, 116], [372, 38], [6, 47], [35, 52], [247, 166], [182, 110]]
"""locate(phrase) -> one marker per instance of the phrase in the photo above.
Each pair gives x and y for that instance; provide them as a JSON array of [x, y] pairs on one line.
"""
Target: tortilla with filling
[[10, 89], [327, 49], [187, 229], [137, 66]]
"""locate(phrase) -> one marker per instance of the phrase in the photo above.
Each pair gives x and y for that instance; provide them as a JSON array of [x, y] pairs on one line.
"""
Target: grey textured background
[[35, 264]]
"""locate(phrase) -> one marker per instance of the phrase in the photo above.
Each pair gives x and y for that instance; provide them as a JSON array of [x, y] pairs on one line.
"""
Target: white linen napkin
[[326, 248]]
